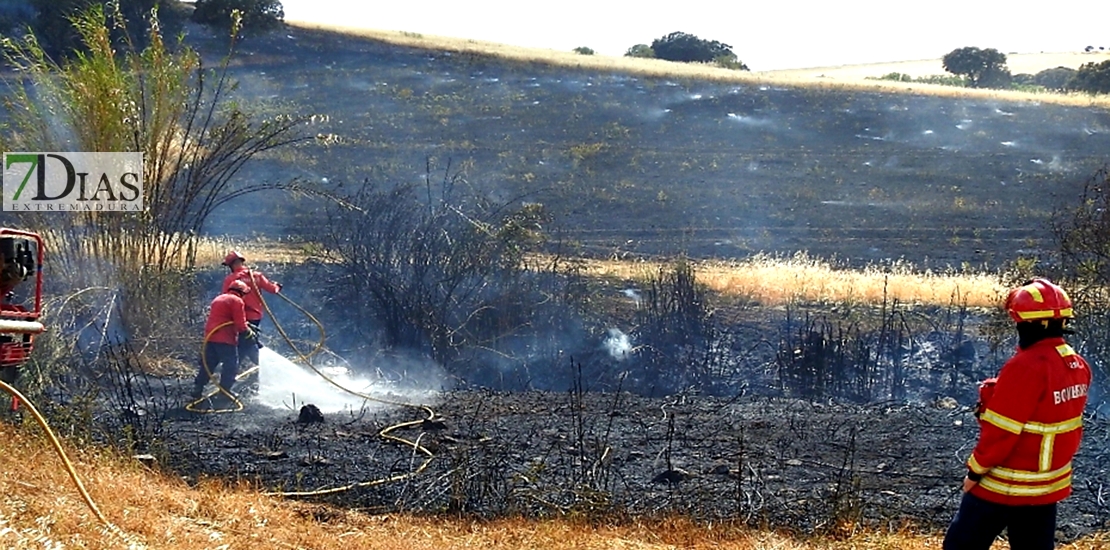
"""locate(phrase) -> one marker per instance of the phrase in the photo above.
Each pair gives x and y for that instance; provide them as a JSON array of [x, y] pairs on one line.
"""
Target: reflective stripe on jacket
[[253, 300], [1031, 426], [226, 307]]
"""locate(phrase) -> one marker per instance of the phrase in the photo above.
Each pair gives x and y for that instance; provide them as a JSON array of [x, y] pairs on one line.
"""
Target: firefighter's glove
[[250, 334], [986, 391]]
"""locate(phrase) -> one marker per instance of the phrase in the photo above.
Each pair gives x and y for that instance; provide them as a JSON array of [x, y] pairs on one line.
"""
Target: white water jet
[[284, 384]]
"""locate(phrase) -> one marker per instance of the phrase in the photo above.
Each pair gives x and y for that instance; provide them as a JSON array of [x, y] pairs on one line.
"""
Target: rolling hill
[[704, 162]]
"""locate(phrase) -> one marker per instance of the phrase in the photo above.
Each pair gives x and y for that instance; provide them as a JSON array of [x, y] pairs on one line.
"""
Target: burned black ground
[[634, 165], [792, 464]]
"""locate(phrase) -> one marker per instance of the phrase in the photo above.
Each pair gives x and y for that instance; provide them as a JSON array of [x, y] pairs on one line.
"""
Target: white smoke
[[618, 344]]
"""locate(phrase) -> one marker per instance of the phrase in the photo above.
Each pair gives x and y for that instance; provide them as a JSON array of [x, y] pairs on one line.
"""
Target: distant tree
[[1022, 80], [983, 68], [1092, 78], [258, 15], [680, 46], [583, 50], [640, 50], [1054, 79]]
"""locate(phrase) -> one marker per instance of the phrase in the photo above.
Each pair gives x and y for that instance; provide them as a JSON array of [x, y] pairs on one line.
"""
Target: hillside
[[789, 424], [854, 75], [645, 164]]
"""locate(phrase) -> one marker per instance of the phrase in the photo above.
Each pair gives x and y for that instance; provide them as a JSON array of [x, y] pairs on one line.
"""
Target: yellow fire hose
[[65, 458], [236, 404]]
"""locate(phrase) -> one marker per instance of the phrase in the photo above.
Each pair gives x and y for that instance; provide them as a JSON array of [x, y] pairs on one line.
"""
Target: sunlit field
[[852, 77]]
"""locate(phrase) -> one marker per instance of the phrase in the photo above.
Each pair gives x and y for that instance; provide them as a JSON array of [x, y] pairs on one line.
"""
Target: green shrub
[[1054, 79], [895, 76], [943, 80], [1091, 78], [194, 138], [640, 50], [729, 61], [583, 50]]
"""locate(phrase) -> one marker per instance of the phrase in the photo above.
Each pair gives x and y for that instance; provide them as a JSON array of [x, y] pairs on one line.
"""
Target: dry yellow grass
[[850, 77], [777, 281], [211, 251], [764, 279], [40, 509]]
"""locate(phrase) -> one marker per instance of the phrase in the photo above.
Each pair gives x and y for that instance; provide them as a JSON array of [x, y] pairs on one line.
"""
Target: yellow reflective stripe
[[1065, 350], [1007, 424], [999, 487], [1035, 293], [1047, 443], [1056, 428], [1045, 314], [975, 466], [1027, 476]]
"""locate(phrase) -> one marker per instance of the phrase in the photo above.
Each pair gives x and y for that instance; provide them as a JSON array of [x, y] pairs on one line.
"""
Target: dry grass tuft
[[776, 281], [211, 251]]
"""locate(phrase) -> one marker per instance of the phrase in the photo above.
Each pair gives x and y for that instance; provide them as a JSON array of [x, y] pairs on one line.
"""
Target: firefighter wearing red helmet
[[227, 323], [1031, 422], [256, 282]]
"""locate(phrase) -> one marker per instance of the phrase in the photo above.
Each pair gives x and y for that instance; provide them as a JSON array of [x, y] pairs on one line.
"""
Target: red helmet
[[239, 286], [232, 256], [1037, 300]]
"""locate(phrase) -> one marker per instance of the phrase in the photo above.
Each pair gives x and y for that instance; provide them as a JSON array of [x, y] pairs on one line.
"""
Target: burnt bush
[[677, 333], [439, 268], [1082, 234]]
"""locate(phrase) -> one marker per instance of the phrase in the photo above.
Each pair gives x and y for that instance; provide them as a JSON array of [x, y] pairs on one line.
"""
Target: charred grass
[[156, 509], [634, 165]]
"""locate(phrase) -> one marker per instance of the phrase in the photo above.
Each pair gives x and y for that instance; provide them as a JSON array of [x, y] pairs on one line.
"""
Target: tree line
[[986, 68]]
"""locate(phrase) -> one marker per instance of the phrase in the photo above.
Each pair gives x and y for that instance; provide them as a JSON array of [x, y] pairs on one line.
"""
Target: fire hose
[[64, 457], [306, 359]]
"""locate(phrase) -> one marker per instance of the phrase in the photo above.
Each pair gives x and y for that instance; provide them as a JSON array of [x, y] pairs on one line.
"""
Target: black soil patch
[[794, 464]]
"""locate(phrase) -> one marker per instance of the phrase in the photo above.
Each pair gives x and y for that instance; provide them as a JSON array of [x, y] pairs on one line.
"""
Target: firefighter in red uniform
[[1031, 421], [221, 343], [256, 282]]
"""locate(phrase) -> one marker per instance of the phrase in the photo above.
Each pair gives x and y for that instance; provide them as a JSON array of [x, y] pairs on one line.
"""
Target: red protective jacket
[[226, 307], [253, 300], [1031, 425]]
